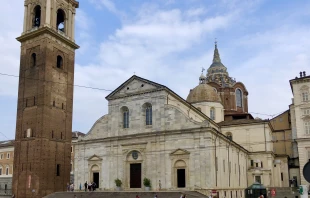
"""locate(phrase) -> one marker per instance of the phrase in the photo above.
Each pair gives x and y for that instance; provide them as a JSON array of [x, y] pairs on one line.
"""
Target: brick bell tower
[[45, 98]]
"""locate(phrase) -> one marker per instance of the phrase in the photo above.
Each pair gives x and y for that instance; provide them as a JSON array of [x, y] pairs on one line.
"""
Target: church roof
[[203, 93], [216, 59], [149, 86], [241, 121]]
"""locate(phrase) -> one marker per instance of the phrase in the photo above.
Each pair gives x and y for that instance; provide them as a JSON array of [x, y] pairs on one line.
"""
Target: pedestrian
[[85, 185], [155, 196], [89, 186], [94, 185], [137, 196], [72, 187], [68, 187]]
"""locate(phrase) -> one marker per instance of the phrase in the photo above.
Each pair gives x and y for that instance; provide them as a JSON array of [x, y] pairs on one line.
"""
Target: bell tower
[[45, 98]]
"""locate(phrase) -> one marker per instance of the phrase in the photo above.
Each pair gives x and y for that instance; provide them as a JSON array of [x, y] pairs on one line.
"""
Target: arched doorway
[[180, 172], [134, 169], [95, 174]]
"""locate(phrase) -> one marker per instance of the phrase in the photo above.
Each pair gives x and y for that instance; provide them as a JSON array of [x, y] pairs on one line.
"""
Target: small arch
[[95, 168], [59, 62], [239, 97], [212, 113], [36, 16], [229, 135], [33, 61], [60, 20], [147, 109], [125, 113], [179, 164], [7, 170]]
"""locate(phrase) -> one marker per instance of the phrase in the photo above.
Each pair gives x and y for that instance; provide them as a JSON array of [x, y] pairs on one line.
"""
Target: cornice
[[47, 30]]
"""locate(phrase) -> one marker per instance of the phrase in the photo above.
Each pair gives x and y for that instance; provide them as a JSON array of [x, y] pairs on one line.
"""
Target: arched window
[[125, 112], [1, 170], [307, 127], [33, 60], [305, 97], [212, 113], [147, 108], [37, 16], [60, 20], [7, 171], [59, 62], [229, 136], [239, 97]]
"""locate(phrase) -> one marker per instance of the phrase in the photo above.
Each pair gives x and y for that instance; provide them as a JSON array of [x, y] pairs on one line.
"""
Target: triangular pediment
[[180, 152], [94, 158], [134, 85]]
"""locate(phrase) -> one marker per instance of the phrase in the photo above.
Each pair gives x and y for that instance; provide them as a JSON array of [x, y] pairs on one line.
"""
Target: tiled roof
[[6, 143], [241, 121]]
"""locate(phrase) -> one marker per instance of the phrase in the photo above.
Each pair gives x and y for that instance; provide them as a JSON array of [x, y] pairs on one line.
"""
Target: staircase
[[126, 194]]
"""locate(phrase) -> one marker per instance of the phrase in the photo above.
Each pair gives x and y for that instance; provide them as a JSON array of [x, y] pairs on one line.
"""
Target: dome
[[203, 93]]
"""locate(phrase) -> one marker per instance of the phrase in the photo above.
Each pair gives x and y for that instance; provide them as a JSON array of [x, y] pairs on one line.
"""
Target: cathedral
[[208, 142]]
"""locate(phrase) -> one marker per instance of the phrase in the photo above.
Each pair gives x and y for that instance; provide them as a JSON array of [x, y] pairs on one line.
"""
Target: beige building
[[300, 119], [6, 166]]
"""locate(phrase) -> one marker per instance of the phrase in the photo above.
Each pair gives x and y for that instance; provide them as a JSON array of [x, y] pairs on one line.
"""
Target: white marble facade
[[180, 137]]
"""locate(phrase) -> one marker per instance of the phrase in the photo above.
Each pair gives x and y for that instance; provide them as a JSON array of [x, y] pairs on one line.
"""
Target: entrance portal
[[181, 178], [135, 175], [96, 179]]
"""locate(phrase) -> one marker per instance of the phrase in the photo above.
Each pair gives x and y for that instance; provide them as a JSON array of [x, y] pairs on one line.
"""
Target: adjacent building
[[300, 120]]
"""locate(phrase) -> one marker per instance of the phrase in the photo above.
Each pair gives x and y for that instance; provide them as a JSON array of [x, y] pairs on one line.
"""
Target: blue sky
[[263, 44]]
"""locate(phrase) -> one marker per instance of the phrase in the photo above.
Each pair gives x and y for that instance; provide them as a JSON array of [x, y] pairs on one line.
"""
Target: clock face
[[134, 154]]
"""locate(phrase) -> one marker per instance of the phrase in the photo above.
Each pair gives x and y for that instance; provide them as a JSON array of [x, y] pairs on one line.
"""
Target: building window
[[307, 111], [58, 170], [256, 164], [258, 179], [305, 96], [212, 113], [261, 165], [7, 171], [148, 114], [33, 60], [252, 163], [0, 170], [37, 16], [125, 112], [307, 127], [28, 133], [239, 97], [1, 156], [71, 149], [59, 62], [281, 176], [60, 20], [8, 155]]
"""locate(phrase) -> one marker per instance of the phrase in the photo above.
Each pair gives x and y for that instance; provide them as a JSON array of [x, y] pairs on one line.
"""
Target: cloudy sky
[[263, 44]]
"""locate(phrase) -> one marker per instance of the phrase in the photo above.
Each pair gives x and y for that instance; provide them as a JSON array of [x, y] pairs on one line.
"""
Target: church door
[[181, 178], [96, 179], [135, 175]]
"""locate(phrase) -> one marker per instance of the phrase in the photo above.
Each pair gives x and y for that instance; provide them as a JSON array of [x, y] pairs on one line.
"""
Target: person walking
[[85, 186], [155, 196]]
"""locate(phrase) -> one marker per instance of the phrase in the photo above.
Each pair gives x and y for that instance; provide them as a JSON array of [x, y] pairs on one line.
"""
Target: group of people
[[70, 187], [91, 186]]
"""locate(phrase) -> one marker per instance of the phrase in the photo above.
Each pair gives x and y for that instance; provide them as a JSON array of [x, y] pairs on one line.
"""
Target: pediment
[[134, 85], [94, 158], [180, 152]]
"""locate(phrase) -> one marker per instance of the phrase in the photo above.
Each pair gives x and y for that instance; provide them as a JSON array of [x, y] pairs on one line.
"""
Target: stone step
[[126, 194]]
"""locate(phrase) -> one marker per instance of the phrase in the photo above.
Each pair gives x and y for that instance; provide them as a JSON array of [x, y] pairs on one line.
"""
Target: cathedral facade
[[208, 142]]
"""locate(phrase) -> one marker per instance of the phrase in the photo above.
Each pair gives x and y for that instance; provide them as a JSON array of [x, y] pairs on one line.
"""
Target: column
[[48, 13], [69, 24], [29, 18], [25, 18]]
